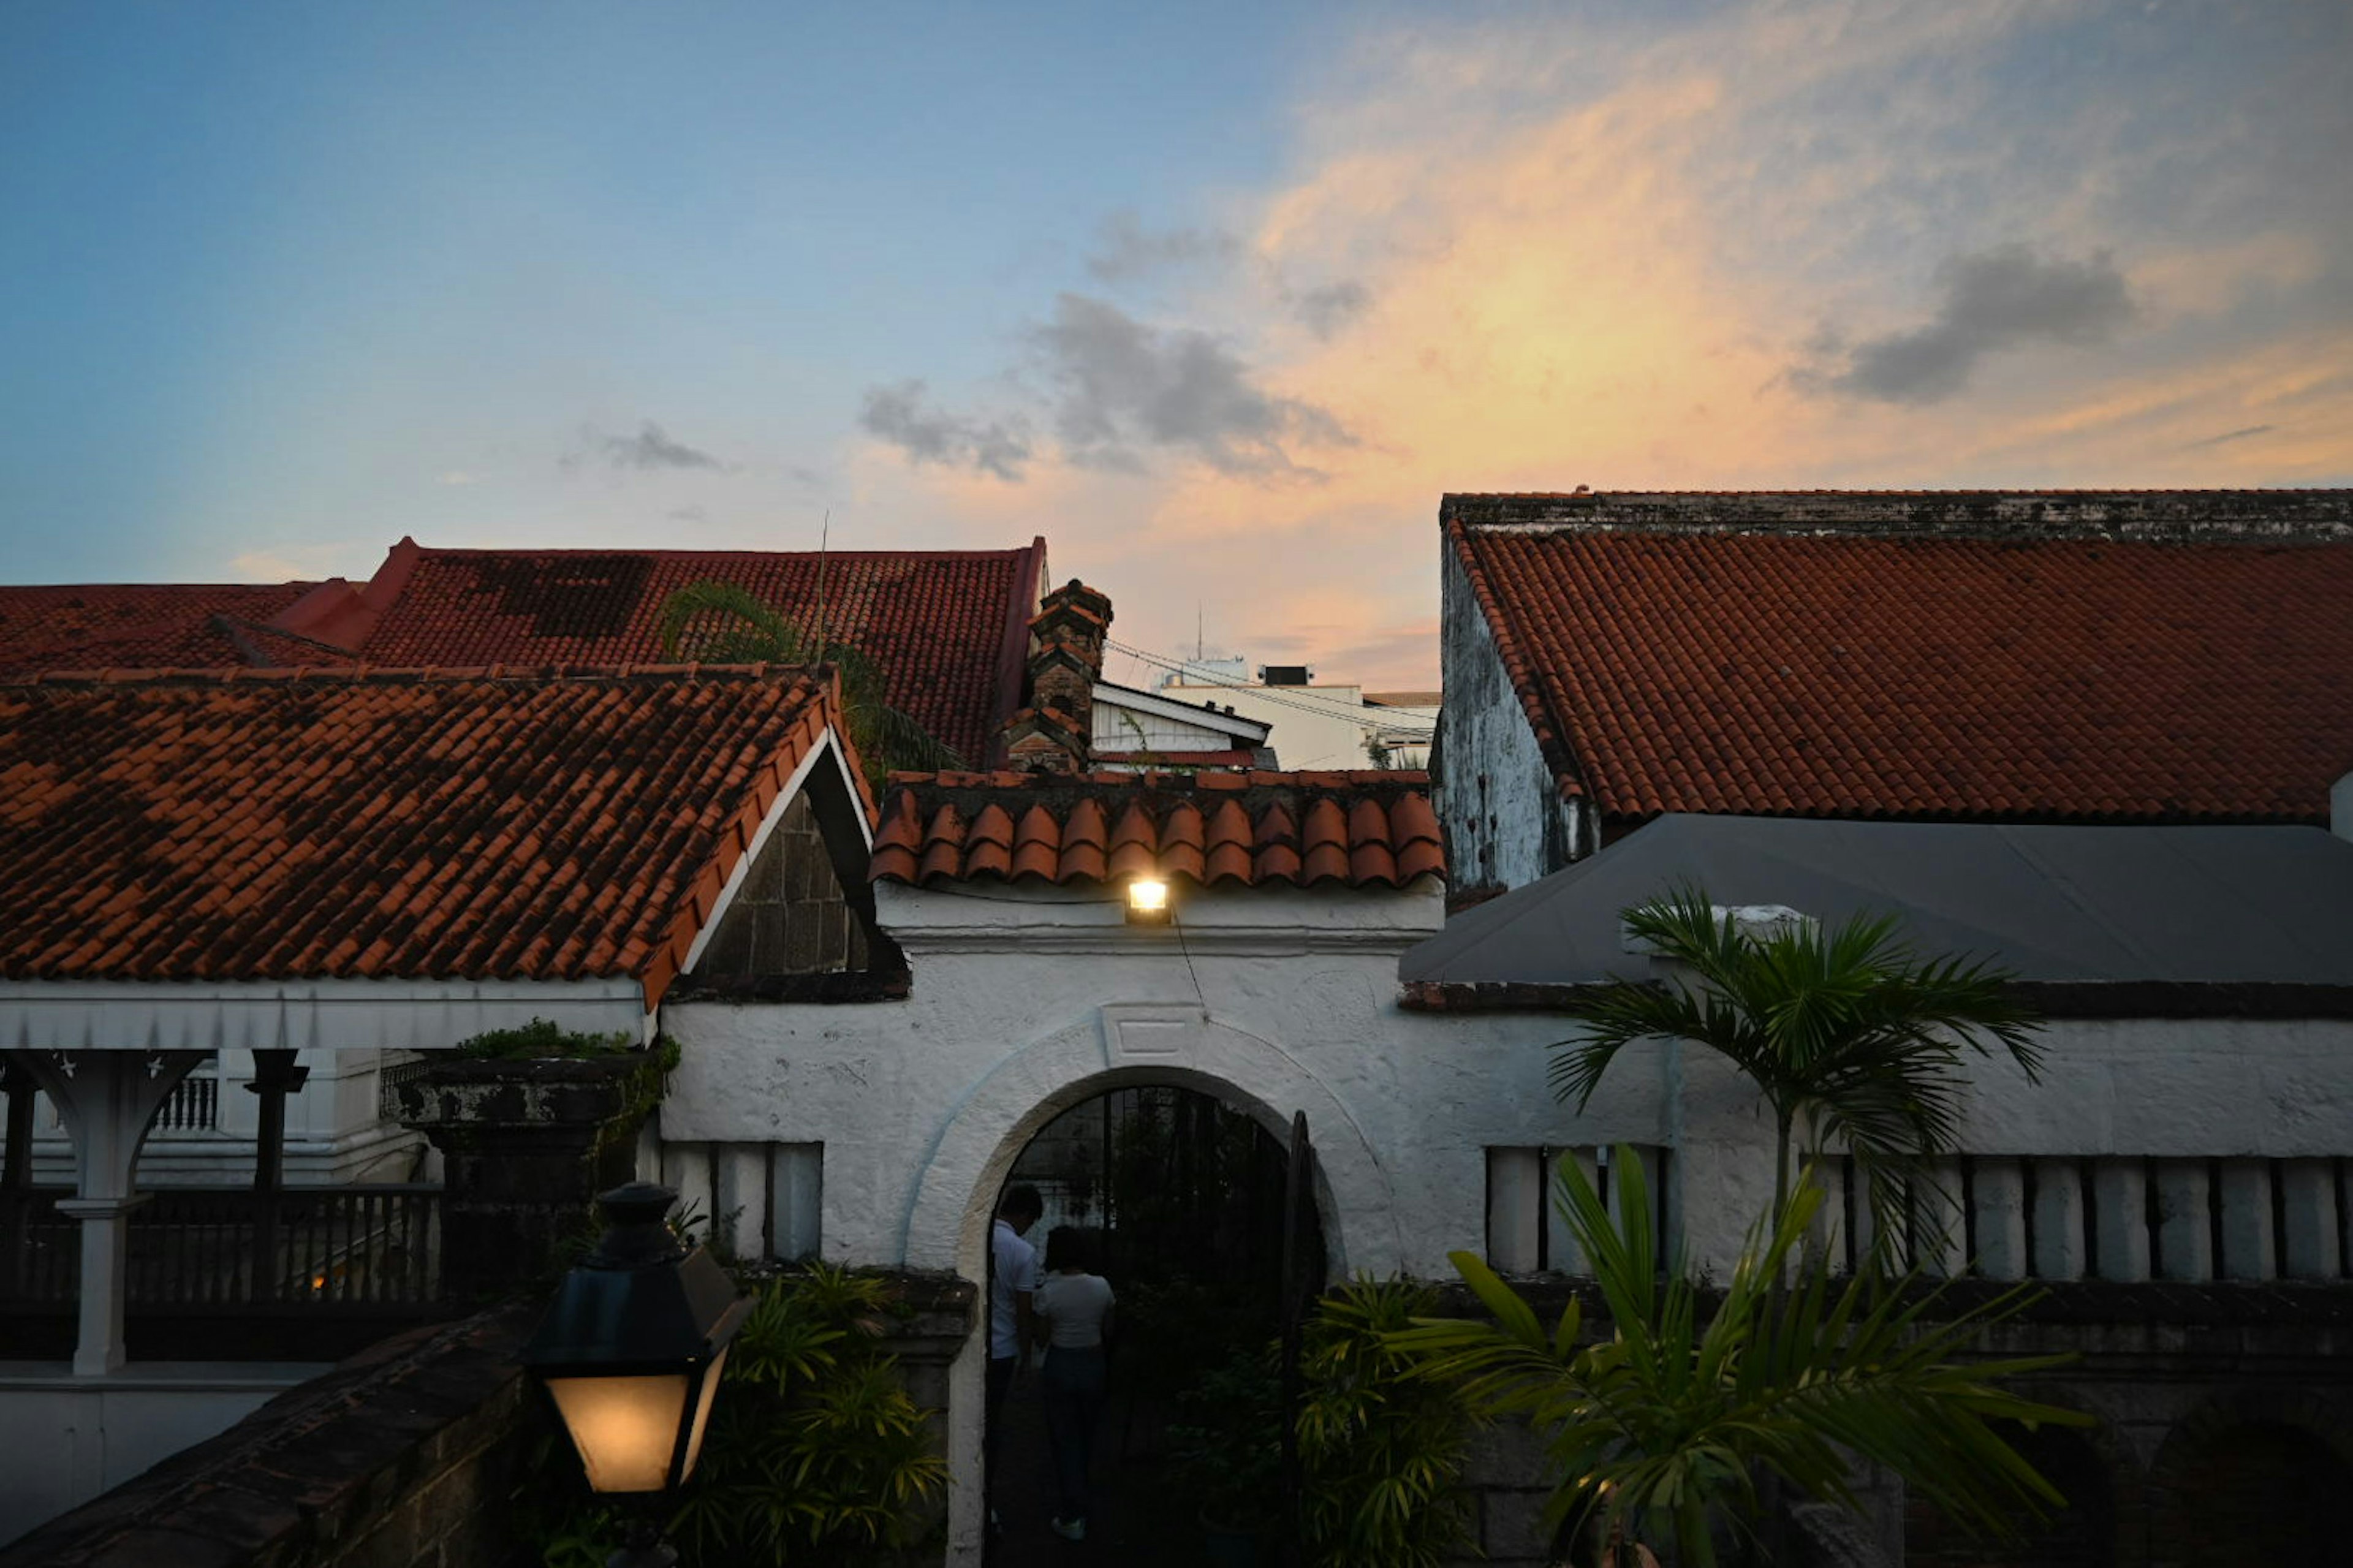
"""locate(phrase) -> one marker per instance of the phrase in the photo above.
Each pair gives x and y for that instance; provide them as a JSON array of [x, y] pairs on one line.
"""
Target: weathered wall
[[1027, 1001], [1505, 822], [790, 915]]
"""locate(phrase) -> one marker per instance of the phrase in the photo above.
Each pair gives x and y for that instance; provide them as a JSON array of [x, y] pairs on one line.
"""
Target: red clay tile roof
[[1362, 829], [948, 629], [131, 626], [1910, 675], [538, 825]]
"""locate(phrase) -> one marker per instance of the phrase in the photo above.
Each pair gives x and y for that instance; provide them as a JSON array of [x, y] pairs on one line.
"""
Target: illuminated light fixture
[[632, 1348], [1147, 901]]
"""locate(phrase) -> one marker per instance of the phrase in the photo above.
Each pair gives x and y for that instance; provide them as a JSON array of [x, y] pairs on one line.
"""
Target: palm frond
[[1664, 1428], [721, 623]]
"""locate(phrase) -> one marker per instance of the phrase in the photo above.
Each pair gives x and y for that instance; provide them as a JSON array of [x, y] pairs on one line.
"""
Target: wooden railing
[[324, 1249]]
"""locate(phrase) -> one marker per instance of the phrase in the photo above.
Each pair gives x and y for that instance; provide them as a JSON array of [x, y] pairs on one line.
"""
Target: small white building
[[1317, 726]]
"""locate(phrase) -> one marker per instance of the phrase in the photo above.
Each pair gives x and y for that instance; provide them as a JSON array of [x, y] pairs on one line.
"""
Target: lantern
[[632, 1348]]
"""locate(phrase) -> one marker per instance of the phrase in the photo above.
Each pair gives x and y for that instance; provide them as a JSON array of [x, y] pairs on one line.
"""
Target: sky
[[1219, 299]]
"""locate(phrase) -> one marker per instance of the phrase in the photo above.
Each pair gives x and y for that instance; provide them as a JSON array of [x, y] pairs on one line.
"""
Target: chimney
[[1045, 741], [1056, 731]]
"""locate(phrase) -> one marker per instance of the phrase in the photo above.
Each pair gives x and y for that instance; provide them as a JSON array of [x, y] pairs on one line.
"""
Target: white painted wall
[[1316, 727], [1505, 822], [96, 1433], [1028, 1000], [1125, 724]]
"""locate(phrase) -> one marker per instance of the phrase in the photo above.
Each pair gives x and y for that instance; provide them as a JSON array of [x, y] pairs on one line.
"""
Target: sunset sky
[[1219, 298]]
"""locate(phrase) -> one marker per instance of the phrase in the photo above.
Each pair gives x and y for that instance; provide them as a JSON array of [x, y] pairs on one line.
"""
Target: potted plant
[[1226, 1457]]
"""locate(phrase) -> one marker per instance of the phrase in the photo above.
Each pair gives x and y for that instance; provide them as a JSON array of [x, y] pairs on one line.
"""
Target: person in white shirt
[[1013, 1276], [1073, 1309]]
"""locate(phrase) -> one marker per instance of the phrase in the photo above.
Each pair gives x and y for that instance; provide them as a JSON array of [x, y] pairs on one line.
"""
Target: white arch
[[948, 1213], [1128, 1044]]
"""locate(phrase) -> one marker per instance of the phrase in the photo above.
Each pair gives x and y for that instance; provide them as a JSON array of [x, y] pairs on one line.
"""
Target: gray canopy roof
[[2227, 905]]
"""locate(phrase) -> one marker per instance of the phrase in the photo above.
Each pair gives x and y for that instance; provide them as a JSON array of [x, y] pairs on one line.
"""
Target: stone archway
[[1126, 1043], [2253, 1475], [2081, 1534], [1123, 1045]]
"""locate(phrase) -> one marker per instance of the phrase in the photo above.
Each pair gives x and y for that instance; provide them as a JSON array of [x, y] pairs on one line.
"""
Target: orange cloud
[[1579, 255]]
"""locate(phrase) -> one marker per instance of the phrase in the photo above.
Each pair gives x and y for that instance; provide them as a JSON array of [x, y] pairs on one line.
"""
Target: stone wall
[[791, 915], [2225, 1436], [402, 1456]]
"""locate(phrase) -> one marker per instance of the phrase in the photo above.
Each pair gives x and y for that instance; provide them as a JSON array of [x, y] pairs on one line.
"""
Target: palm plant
[[1666, 1429], [721, 623], [1381, 1448], [1847, 1031]]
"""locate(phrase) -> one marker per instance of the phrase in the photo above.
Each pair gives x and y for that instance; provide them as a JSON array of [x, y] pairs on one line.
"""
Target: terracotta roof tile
[[1362, 829], [947, 628], [258, 825], [1770, 654], [137, 626]]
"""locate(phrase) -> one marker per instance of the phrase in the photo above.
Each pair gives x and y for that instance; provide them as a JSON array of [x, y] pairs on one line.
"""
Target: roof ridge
[[2015, 492], [576, 549], [364, 673]]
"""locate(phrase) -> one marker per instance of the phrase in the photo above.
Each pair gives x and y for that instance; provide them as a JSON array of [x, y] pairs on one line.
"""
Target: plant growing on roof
[[721, 623], [1847, 1031], [1670, 1426]]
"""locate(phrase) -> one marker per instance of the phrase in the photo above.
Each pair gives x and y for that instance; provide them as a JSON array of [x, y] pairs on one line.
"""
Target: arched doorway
[[2253, 1490], [1123, 1045], [2082, 1534], [1183, 1200]]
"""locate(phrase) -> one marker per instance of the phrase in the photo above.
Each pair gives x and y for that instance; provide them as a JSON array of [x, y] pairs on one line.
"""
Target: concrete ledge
[[397, 1455]]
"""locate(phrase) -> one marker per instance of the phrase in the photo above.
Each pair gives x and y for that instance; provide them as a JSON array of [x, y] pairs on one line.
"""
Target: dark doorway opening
[[1183, 1196]]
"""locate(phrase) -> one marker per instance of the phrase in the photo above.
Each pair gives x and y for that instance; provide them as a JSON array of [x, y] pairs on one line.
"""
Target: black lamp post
[[630, 1353]]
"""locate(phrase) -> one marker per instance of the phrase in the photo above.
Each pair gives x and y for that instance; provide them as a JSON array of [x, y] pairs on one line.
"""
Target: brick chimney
[[1055, 731]]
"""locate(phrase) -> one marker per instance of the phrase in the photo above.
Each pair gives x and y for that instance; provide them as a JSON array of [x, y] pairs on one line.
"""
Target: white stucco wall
[[1028, 1000], [1505, 822]]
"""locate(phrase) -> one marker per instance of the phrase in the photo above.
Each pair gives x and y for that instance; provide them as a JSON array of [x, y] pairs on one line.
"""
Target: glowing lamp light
[[633, 1346], [1147, 901]]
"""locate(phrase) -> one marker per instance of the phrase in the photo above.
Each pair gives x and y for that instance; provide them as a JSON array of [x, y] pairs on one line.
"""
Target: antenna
[[824, 538], [1198, 647]]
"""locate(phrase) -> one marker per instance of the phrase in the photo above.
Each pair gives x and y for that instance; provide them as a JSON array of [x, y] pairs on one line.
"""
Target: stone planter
[[526, 1145]]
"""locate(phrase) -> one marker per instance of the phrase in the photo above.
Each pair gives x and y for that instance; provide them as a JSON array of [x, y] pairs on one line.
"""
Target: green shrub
[[542, 1038], [814, 1453], [1226, 1453], [1380, 1449]]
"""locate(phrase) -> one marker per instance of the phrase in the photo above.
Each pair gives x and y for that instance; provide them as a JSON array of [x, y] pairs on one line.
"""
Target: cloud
[[1993, 299], [1122, 385], [650, 448], [687, 514], [1129, 251], [2228, 435], [1327, 310], [897, 414], [1585, 243]]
